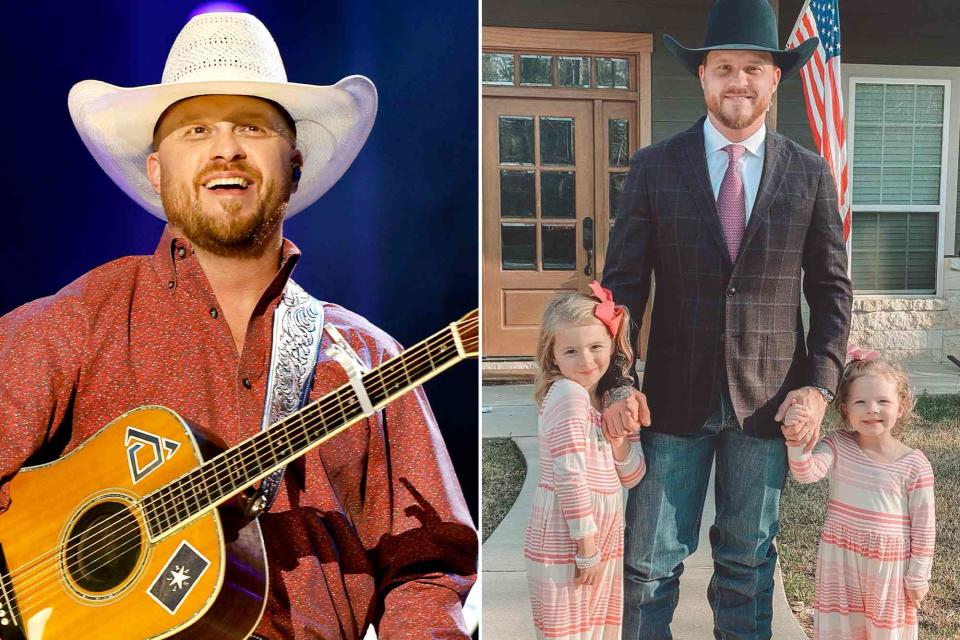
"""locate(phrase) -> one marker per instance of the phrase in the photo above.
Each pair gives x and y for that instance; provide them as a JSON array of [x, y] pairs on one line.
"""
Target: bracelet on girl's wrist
[[616, 394], [589, 561], [625, 461]]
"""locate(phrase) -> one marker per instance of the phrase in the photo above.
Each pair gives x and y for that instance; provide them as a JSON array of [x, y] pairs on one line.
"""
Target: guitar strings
[[322, 414], [378, 377], [319, 408]]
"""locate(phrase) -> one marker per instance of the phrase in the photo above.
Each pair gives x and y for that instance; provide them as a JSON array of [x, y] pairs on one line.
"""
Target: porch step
[[509, 371], [519, 370]]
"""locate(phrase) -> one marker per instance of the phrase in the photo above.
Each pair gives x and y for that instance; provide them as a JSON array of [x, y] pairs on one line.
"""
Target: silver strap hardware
[[347, 358]]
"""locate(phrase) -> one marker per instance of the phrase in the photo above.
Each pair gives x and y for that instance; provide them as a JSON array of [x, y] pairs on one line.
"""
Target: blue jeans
[[663, 526]]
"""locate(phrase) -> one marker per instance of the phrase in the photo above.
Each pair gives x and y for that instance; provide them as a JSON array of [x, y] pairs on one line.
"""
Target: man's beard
[[739, 118], [229, 235]]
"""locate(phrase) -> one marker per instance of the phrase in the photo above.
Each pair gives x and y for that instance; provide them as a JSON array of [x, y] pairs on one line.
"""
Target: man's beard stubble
[[741, 119], [229, 235]]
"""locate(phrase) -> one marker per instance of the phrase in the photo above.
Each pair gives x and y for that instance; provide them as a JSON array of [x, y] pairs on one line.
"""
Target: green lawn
[[503, 473], [802, 509]]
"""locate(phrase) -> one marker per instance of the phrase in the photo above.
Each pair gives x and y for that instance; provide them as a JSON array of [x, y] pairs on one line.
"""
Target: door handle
[[588, 245]]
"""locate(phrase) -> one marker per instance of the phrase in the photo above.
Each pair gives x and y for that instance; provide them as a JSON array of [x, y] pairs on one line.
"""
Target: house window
[[539, 70], [898, 200]]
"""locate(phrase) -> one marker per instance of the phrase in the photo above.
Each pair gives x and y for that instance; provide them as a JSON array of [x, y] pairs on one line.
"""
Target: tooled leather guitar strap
[[297, 331]]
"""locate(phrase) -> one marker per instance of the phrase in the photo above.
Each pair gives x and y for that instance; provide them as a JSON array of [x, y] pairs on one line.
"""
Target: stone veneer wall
[[951, 329], [914, 329]]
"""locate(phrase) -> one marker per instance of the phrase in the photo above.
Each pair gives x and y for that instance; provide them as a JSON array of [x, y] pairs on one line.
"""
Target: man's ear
[[153, 171], [702, 69], [296, 160]]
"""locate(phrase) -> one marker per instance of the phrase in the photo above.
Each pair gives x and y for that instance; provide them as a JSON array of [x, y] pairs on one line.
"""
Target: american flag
[[824, 98]]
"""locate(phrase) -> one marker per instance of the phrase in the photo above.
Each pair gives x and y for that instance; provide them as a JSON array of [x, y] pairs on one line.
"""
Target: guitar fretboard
[[232, 471]]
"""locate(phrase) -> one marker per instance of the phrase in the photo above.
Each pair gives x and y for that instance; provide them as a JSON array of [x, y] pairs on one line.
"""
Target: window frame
[[940, 209]]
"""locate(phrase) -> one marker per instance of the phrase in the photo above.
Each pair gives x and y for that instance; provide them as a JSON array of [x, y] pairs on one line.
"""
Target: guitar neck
[[232, 471]]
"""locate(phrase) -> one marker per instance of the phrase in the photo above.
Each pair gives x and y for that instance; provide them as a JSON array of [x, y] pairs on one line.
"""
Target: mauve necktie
[[732, 202]]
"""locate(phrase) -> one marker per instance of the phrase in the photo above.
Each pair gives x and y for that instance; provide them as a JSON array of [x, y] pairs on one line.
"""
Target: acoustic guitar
[[153, 547]]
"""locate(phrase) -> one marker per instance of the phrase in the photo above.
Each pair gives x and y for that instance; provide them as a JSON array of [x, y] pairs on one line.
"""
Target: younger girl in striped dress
[[876, 548], [574, 540]]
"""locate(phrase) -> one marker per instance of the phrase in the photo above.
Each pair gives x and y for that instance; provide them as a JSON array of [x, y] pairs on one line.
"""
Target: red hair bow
[[606, 311], [859, 353]]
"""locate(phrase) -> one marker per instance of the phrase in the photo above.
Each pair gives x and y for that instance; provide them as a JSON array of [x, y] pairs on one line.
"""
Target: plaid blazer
[[717, 324]]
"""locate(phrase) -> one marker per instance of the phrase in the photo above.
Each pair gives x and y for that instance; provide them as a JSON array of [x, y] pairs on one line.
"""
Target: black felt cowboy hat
[[746, 25]]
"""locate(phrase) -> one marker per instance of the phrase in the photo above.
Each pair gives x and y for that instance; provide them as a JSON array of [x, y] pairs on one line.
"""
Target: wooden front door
[[553, 172], [538, 197], [562, 112]]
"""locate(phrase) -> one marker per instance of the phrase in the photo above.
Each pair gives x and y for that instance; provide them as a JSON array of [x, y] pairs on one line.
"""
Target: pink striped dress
[[877, 538], [579, 493]]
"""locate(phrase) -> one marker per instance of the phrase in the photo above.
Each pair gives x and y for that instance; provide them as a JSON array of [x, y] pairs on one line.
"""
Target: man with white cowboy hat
[[726, 215], [371, 527]]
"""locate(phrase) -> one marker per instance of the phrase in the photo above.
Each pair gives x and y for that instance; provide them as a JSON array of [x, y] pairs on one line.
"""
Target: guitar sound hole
[[103, 547]]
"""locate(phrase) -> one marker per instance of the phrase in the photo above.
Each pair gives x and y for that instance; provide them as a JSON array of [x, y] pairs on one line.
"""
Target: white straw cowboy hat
[[233, 54]]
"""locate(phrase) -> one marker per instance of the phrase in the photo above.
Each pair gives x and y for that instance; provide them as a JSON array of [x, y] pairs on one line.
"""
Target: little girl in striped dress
[[876, 548], [573, 545]]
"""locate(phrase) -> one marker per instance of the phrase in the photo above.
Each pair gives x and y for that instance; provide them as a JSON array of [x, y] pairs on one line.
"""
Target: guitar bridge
[[11, 625]]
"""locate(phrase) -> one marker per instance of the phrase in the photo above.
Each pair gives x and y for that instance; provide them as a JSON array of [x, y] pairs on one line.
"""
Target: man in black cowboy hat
[[727, 215]]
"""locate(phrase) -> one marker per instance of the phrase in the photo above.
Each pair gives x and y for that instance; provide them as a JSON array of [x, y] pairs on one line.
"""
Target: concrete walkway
[[510, 413]]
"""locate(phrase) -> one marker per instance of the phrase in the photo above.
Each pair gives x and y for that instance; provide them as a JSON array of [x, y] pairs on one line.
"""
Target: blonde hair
[[578, 309], [883, 368]]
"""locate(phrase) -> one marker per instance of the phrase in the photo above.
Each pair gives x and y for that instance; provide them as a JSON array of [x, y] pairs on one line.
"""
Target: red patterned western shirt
[[370, 527]]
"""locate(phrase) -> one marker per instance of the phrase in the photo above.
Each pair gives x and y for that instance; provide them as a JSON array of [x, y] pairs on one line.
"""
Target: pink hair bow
[[859, 353], [606, 311]]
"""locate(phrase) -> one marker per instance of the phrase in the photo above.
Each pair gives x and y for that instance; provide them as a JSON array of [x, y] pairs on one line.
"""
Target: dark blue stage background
[[395, 239]]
